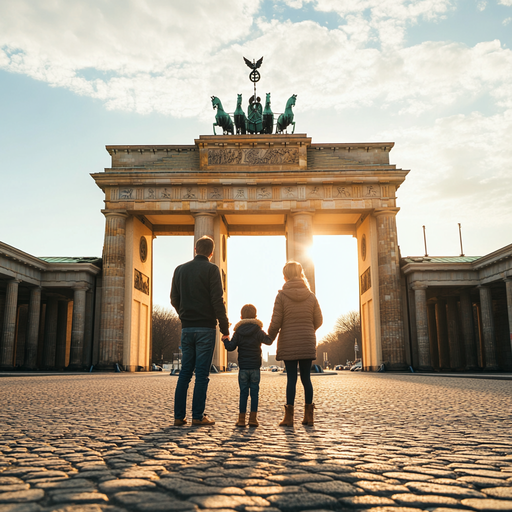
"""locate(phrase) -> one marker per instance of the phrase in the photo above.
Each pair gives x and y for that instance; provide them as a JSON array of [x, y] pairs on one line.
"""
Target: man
[[196, 294]]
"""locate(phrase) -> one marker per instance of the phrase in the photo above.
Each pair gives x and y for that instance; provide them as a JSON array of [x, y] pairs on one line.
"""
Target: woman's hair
[[294, 270]]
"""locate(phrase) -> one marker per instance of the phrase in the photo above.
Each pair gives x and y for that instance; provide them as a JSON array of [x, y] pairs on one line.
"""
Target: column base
[[397, 367], [108, 367], [75, 368], [6, 367], [494, 368], [472, 369], [428, 369]]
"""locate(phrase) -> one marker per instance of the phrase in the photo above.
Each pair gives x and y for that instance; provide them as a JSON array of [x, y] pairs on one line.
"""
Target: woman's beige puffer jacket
[[296, 317]]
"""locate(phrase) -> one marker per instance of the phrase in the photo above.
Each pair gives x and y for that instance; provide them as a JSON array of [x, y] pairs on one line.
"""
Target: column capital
[[115, 213], [14, 280], [309, 211], [203, 214], [386, 211], [418, 285], [78, 287]]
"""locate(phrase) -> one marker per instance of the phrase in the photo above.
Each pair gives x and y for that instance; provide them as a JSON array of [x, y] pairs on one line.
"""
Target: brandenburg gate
[[230, 185]]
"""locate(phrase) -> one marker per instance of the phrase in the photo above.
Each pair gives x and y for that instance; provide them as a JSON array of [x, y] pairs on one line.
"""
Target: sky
[[432, 76]]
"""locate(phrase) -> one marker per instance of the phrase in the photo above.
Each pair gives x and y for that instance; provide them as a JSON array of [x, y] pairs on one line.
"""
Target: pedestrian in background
[[197, 296], [296, 317], [248, 337]]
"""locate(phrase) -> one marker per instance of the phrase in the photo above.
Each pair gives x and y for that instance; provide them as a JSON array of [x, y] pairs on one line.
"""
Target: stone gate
[[224, 186]]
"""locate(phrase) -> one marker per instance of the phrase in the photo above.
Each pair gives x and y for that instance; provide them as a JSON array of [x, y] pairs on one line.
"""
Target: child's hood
[[248, 326]]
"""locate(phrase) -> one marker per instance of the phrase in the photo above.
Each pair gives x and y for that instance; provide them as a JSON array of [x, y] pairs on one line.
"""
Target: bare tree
[[166, 334], [339, 343]]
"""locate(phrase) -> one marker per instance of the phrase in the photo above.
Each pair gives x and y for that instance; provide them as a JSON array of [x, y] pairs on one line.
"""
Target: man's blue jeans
[[197, 345], [249, 381]]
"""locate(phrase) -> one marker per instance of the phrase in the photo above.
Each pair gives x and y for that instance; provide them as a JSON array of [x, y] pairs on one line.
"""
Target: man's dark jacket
[[196, 294], [248, 338]]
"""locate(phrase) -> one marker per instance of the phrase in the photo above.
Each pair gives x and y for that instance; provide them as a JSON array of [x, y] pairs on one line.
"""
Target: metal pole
[[460, 238], [425, 240]]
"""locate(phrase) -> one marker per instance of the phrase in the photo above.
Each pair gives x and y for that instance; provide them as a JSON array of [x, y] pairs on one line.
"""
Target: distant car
[[339, 367], [356, 367], [156, 368]]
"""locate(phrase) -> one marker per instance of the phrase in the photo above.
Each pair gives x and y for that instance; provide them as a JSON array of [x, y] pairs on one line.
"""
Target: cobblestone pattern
[[381, 443]]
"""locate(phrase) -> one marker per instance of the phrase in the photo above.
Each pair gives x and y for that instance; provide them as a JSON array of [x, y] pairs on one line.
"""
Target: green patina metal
[[222, 118], [268, 116], [284, 120], [240, 118], [257, 120]]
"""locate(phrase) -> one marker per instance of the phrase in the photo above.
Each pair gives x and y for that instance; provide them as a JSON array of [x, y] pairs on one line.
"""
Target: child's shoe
[[241, 420], [253, 420]]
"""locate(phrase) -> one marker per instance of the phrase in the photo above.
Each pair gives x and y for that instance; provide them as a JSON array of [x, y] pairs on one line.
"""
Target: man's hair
[[248, 311], [205, 246]]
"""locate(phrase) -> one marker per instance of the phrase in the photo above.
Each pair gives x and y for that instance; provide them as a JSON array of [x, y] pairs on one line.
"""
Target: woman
[[296, 317]]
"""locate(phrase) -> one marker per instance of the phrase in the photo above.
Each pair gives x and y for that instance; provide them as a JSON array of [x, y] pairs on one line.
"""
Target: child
[[248, 337]]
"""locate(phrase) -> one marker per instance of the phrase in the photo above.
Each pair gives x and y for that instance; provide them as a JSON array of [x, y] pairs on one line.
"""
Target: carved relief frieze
[[288, 192], [150, 193], [366, 281], [342, 191], [240, 194], [215, 193], [126, 193], [253, 156], [371, 191], [141, 282], [314, 192], [165, 193], [189, 193], [264, 193]]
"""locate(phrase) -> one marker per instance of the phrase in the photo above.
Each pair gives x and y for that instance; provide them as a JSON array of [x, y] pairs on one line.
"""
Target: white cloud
[[144, 57], [459, 173], [506, 2]]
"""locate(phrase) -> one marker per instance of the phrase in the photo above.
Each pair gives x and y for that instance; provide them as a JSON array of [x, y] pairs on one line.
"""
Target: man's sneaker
[[178, 422], [204, 421]]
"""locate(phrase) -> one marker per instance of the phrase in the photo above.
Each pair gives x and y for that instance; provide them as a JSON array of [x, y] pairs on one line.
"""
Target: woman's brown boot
[[288, 417], [253, 420], [241, 420], [308, 414]]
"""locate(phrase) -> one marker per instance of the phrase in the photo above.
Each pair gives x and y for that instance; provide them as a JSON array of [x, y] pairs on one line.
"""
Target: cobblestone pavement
[[381, 442]]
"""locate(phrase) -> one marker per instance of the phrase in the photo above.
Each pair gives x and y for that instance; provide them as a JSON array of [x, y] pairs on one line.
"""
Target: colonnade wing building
[[221, 186]]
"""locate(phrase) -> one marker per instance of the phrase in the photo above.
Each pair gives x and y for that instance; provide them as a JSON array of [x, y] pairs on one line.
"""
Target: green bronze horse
[[222, 118], [239, 116], [284, 120], [268, 116]]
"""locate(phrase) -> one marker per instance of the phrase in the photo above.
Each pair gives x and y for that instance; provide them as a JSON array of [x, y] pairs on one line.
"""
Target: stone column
[[112, 302], [442, 335], [9, 327], [420, 304], [508, 285], [62, 334], [204, 226], [303, 241], [78, 328], [456, 362], [468, 331], [390, 301], [34, 312], [488, 328], [432, 334], [88, 336], [50, 333]]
